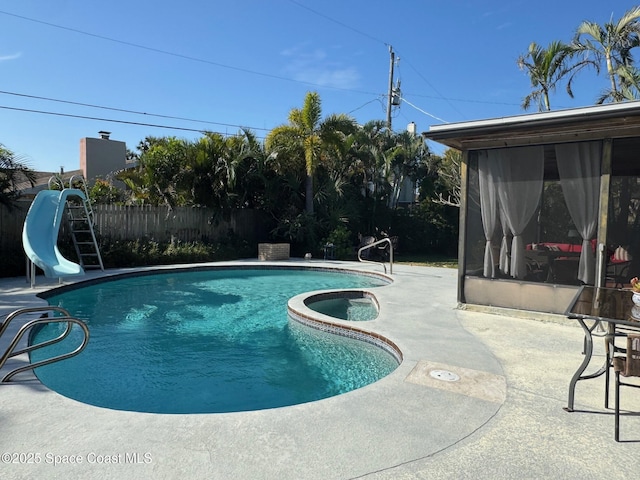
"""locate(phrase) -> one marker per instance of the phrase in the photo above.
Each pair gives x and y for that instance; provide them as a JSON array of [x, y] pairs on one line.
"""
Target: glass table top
[[608, 304]]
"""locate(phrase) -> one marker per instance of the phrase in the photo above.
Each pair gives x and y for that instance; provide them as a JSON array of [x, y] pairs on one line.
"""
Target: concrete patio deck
[[502, 420]]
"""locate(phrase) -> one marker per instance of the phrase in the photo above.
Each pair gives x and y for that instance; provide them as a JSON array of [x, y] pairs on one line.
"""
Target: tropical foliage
[[13, 172], [546, 67], [308, 136], [611, 43], [319, 179], [606, 48]]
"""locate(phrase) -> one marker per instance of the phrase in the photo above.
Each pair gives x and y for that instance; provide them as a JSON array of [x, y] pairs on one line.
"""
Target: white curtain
[[488, 209], [520, 173], [505, 251], [579, 170]]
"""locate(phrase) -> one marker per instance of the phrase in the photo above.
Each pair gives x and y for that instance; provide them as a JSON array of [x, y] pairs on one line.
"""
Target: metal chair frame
[[627, 366]]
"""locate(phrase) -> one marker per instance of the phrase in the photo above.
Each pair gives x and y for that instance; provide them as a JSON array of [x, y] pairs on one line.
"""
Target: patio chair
[[627, 366], [383, 249], [617, 273], [364, 241]]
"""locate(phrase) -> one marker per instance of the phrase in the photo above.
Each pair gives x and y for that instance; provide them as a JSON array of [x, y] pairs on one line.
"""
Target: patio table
[[554, 259], [612, 306]]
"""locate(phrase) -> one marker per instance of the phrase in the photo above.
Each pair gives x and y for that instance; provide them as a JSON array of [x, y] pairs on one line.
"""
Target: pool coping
[[159, 269], [299, 311], [398, 427], [346, 294]]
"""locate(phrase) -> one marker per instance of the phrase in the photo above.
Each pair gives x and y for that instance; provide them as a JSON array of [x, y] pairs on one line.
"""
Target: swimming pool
[[208, 341]]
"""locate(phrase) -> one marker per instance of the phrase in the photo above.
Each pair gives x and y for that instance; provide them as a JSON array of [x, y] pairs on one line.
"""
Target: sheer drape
[[579, 170], [488, 209], [520, 173], [505, 251]]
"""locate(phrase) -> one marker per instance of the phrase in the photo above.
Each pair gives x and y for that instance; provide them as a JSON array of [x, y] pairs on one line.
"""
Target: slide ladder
[[11, 351], [80, 218], [81, 222]]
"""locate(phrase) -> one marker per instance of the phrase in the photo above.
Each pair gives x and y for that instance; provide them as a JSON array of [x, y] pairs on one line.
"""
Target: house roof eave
[[611, 120]]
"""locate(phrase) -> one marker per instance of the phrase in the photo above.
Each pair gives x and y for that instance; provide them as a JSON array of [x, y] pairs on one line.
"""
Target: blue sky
[[228, 64]]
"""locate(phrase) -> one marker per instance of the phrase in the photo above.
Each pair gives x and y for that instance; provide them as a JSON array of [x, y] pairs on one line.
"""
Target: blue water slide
[[40, 233]]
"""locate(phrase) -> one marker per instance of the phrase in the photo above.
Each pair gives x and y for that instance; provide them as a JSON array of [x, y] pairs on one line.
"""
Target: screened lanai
[[550, 202]]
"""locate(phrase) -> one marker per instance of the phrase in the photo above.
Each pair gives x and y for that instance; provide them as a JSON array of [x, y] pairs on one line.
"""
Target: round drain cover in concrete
[[445, 375]]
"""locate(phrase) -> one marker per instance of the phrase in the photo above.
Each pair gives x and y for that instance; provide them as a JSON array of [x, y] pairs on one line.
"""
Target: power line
[[364, 34], [365, 104], [178, 55], [465, 100], [111, 120], [439, 96], [221, 65], [423, 111], [433, 88], [171, 117], [338, 22], [473, 100]]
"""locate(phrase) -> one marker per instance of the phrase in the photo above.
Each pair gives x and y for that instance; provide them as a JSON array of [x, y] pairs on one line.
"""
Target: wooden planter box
[[273, 251]]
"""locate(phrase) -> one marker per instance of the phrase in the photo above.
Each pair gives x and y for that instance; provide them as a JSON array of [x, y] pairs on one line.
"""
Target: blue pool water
[[207, 341], [352, 309]]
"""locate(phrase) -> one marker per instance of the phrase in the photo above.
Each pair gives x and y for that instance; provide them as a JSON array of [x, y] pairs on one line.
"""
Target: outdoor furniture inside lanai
[[617, 273], [615, 308]]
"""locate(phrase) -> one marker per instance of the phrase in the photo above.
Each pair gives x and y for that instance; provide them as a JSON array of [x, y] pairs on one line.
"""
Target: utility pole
[[392, 61]]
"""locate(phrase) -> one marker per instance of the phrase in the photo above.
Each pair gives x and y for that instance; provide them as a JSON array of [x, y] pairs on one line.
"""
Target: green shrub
[[125, 253], [142, 252], [342, 240]]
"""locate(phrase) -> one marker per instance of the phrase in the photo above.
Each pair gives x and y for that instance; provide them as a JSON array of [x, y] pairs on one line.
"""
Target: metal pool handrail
[[375, 244], [11, 352]]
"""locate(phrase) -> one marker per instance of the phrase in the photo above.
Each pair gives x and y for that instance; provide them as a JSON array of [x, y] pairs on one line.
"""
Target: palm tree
[[405, 159], [308, 135], [371, 141], [241, 167], [257, 184], [546, 67], [12, 172], [611, 43], [629, 82], [155, 179], [198, 177]]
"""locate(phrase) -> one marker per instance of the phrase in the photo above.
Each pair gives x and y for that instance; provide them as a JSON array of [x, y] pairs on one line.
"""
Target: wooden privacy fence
[[11, 222], [184, 224]]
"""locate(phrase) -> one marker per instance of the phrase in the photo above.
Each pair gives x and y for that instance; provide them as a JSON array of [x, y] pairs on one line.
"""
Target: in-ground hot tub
[[353, 305]]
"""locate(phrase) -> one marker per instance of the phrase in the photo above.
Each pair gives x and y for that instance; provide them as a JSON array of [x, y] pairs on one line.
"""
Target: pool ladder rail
[[375, 245], [11, 351]]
